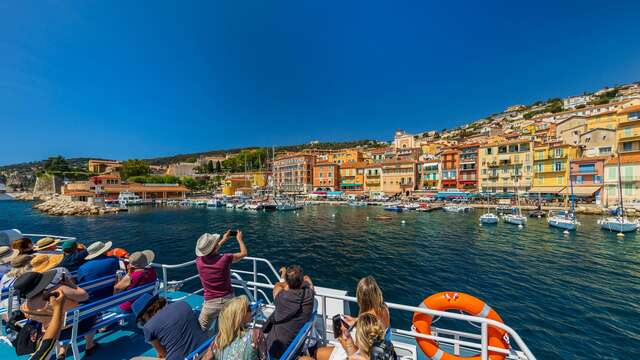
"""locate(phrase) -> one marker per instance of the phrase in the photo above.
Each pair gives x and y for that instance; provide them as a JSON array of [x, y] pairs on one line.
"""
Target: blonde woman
[[369, 330], [234, 340]]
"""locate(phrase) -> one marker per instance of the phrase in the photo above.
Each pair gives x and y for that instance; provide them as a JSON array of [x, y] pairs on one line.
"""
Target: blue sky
[[121, 79]]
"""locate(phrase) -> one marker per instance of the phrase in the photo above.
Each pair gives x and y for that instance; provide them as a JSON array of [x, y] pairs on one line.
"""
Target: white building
[[572, 102]]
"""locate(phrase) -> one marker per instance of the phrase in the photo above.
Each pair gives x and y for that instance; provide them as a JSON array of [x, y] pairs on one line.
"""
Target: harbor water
[[571, 296]]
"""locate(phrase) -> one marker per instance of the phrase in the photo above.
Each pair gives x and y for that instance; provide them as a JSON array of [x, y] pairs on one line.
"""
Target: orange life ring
[[464, 302]]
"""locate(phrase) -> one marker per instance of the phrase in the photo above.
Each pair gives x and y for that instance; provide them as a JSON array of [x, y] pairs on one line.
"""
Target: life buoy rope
[[444, 301]]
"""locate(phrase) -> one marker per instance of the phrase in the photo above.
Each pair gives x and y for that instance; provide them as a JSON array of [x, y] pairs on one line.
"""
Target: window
[[539, 168], [539, 155], [502, 149], [558, 152], [612, 173], [634, 115], [628, 146], [597, 179], [559, 180], [627, 132], [627, 189], [579, 179], [605, 150], [586, 168], [524, 147], [488, 151]]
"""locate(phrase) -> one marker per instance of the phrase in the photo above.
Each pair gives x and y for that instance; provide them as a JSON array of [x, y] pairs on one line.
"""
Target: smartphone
[[337, 328], [233, 232]]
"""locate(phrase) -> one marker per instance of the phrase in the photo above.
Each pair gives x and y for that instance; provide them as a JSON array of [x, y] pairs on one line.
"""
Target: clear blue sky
[[120, 79]]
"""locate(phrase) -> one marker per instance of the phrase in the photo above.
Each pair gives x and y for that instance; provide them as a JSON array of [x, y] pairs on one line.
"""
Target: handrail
[[484, 323], [53, 236]]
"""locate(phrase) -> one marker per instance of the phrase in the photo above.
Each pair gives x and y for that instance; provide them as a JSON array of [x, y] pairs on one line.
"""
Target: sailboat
[[488, 217], [516, 217], [565, 219], [619, 223]]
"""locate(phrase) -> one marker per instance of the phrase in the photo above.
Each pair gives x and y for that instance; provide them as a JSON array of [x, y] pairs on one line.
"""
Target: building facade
[[293, 173], [326, 177], [598, 142], [398, 176], [346, 156], [628, 132], [468, 167], [449, 166], [588, 178], [372, 178], [551, 167], [506, 167], [430, 175], [352, 178], [629, 176]]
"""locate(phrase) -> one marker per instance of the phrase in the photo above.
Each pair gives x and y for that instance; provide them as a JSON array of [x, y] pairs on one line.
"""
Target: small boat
[[394, 208], [288, 207], [230, 205], [515, 219], [412, 206], [457, 208], [357, 203], [127, 198], [537, 213], [619, 224], [253, 206], [563, 220], [489, 218], [214, 203]]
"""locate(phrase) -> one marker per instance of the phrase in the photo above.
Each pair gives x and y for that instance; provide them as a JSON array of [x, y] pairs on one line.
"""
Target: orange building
[[345, 156], [398, 176], [293, 173], [449, 165], [326, 177], [352, 177]]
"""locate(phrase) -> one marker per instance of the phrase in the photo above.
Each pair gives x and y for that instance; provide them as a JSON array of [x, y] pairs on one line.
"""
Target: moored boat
[[489, 218], [394, 208], [563, 220]]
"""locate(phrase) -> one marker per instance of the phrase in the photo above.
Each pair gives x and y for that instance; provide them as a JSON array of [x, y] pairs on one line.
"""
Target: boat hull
[[616, 225], [489, 219], [562, 224], [514, 220]]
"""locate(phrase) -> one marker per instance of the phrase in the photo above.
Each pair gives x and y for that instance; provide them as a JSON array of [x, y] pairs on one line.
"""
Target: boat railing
[[457, 340], [52, 236]]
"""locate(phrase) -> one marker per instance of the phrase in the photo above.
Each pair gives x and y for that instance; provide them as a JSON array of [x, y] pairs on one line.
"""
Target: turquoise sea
[[569, 297]]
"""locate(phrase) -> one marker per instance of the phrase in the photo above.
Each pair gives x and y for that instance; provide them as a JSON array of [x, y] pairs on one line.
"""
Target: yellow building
[[603, 120], [244, 183], [551, 167], [628, 132], [345, 156], [506, 166]]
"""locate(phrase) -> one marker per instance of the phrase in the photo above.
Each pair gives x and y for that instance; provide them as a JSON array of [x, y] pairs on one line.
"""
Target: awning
[[546, 190], [581, 190]]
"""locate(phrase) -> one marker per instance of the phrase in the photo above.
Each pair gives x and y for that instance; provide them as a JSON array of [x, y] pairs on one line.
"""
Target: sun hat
[[69, 244], [7, 254], [32, 283], [9, 236], [21, 261], [97, 248], [141, 259], [142, 304], [45, 243], [206, 243], [44, 262]]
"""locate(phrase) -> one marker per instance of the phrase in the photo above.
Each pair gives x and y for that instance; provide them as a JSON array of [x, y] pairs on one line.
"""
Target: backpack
[[24, 337]]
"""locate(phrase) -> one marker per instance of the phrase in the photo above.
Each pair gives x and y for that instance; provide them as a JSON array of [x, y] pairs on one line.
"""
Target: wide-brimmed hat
[[32, 283], [45, 242], [97, 248], [21, 261], [141, 259], [44, 262], [142, 304], [7, 254], [206, 243]]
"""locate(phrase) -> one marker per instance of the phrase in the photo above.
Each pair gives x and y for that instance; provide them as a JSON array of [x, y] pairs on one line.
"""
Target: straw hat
[[44, 262], [45, 243], [21, 261], [7, 254], [141, 259], [98, 248], [206, 243]]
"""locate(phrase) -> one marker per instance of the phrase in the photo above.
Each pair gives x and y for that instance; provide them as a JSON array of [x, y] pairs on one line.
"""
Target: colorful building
[[598, 142], [506, 166], [630, 178], [372, 176], [570, 129], [450, 158], [345, 156], [430, 175], [588, 178], [603, 120], [326, 176], [398, 176], [103, 166], [293, 173], [468, 166], [551, 166], [628, 132], [352, 177]]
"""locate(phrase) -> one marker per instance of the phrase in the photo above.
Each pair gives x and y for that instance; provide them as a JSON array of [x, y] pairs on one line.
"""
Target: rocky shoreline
[[63, 207]]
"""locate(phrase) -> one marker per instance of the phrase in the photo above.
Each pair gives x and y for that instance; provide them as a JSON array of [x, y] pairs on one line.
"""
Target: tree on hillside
[[210, 167], [56, 164], [134, 167], [218, 167]]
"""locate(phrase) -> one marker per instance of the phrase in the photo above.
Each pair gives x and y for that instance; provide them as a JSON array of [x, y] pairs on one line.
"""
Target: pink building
[[588, 178]]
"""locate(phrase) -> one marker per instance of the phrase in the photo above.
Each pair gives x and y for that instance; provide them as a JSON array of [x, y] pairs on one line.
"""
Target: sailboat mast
[[620, 188], [573, 203]]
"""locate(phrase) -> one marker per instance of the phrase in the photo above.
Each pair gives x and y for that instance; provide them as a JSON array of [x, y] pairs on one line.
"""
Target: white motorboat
[[489, 218], [253, 206], [457, 208], [515, 219], [214, 203], [288, 207], [563, 220], [412, 206], [127, 198]]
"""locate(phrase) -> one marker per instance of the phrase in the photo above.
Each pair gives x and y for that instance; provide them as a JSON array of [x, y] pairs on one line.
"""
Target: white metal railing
[[53, 236], [457, 339]]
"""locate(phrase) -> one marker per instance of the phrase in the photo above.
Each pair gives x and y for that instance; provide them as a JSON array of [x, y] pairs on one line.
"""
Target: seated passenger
[[214, 269], [293, 301], [234, 341], [97, 266], [19, 265], [47, 245], [24, 245], [172, 328], [140, 273], [45, 262], [36, 288], [74, 255], [122, 255], [6, 255], [369, 331]]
